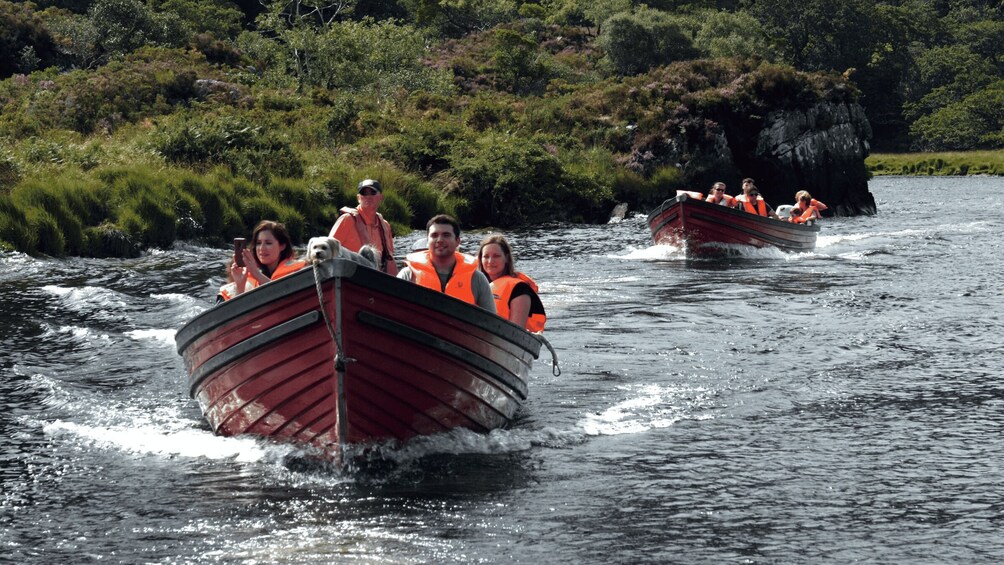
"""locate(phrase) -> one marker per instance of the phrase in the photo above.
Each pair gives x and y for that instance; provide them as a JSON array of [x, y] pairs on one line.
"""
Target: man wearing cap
[[357, 227]]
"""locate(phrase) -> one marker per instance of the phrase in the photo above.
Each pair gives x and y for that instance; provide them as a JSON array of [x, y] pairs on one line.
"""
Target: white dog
[[325, 248]]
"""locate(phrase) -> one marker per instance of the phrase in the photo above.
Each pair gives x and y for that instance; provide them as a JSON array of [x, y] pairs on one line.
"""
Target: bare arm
[[519, 310]]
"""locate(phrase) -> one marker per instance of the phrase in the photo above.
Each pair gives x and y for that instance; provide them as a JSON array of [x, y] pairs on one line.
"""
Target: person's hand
[[240, 276], [252, 267]]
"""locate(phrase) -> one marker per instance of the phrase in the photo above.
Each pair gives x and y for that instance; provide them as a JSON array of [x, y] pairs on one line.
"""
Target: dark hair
[[748, 180], [445, 219], [510, 268], [281, 235]]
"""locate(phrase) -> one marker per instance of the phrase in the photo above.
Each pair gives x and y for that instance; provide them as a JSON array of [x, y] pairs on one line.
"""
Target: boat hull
[[704, 229], [411, 361]]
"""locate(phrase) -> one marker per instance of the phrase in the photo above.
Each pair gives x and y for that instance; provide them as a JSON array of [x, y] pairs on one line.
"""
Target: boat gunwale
[[368, 278]]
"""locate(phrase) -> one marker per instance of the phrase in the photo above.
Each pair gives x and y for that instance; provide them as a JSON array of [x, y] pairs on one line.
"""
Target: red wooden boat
[[704, 229], [397, 360]]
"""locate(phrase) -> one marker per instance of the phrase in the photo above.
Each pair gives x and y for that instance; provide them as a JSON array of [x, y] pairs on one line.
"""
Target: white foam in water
[[161, 337], [463, 441], [82, 334], [154, 440], [90, 299], [663, 252], [655, 407], [182, 307]]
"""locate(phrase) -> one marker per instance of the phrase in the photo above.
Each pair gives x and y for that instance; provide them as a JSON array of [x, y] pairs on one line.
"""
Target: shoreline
[[942, 163]]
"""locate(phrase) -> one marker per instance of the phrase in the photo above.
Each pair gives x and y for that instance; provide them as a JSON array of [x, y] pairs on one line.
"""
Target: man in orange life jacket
[[357, 227], [750, 201], [442, 268]]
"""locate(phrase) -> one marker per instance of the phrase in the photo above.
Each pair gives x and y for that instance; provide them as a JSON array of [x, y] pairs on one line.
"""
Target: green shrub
[[424, 145], [505, 181], [636, 42], [488, 111], [253, 151]]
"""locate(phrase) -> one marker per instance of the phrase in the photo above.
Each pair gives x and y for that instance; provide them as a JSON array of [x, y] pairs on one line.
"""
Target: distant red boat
[[704, 229], [398, 361]]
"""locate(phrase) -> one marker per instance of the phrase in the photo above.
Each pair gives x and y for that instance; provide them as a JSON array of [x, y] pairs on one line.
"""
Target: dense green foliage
[[130, 123]]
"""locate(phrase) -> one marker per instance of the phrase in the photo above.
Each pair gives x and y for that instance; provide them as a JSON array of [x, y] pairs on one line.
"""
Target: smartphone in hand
[[239, 251]]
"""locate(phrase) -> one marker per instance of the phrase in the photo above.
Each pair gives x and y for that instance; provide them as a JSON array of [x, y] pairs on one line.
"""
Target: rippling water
[[840, 405]]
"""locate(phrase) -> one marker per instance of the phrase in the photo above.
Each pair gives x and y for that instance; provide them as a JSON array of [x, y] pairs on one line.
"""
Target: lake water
[[835, 406]]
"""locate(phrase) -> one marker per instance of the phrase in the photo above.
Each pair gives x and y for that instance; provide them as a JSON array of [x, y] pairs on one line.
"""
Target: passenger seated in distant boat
[[797, 216], [515, 294], [717, 196], [440, 267], [804, 201], [751, 201], [273, 257]]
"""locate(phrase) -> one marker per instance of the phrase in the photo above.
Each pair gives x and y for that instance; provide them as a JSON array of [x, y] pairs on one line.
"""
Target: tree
[[732, 34], [518, 65], [25, 42], [219, 17], [126, 25], [636, 42]]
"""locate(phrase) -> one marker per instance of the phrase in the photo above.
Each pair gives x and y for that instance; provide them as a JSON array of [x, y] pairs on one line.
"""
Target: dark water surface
[[835, 406]]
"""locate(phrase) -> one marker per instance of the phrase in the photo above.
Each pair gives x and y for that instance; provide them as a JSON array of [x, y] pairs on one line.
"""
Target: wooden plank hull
[[706, 230], [412, 361]]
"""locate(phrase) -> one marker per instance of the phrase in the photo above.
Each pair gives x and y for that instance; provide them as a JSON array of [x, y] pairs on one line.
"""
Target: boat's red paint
[[706, 229], [416, 361]]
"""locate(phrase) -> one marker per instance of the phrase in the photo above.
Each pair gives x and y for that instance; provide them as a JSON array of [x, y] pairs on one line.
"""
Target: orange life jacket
[[502, 288], [229, 290], [691, 193], [760, 209], [813, 203], [811, 213], [287, 267], [725, 200], [355, 239], [459, 286]]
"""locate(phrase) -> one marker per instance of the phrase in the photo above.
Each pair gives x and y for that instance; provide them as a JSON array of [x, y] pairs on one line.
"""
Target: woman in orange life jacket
[[515, 293], [230, 289], [797, 216], [717, 196], [804, 201], [750, 201], [272, 258]]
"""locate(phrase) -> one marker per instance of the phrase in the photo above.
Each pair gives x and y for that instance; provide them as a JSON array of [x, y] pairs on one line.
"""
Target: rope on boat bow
[[341, 361], [555, 369]]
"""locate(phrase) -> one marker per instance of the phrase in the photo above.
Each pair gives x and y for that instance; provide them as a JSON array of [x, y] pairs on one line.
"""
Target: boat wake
[[649, 407]]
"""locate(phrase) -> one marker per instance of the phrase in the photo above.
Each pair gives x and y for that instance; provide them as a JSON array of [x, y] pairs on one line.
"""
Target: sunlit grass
[[937, 164]]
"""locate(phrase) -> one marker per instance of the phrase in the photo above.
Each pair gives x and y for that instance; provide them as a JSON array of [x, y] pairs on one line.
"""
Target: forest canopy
[[284, 102]]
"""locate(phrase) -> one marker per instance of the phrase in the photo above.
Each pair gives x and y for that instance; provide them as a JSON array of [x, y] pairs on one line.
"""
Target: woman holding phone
[[272, 257]]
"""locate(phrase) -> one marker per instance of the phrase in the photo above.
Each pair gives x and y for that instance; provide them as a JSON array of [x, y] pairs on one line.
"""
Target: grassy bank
[[937, 164]]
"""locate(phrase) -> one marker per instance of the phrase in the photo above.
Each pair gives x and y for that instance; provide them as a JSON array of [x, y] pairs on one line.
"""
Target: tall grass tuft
[[44, 203], [14, 228]]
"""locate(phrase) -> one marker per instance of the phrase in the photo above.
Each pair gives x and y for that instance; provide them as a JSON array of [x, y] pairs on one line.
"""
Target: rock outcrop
[[821, 149], [787, 130]]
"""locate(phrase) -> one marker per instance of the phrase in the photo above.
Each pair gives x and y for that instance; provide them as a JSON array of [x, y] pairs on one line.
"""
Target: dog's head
[[322, 248]]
